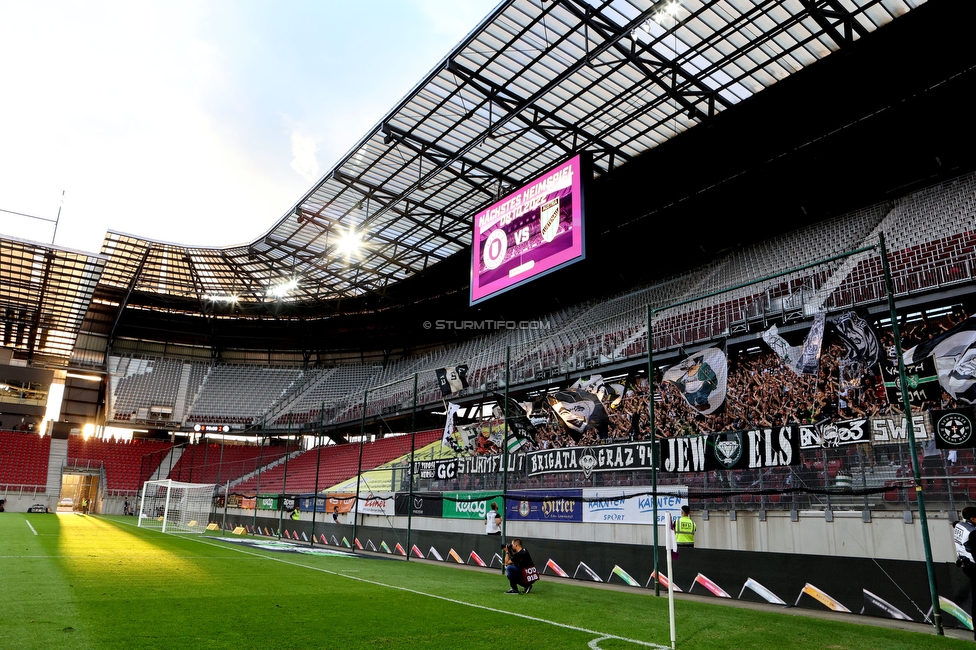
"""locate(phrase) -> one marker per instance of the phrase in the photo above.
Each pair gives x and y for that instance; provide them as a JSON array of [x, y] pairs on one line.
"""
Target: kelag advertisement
[[469, 505]]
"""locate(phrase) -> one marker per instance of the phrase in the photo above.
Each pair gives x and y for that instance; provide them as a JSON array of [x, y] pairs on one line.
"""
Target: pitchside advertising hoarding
[[375, 504], [530, 232], [469, 505], [424, 504], [632, 505], [549, 505]]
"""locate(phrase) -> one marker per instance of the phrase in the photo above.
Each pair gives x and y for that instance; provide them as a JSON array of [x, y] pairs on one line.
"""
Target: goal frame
[[181, 523]]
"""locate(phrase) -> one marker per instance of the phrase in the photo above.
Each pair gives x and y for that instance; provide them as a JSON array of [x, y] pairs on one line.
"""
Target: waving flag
[[452, 408], [863, 349], [452, 379], [701, 378], [804, 359], [579, 410], [955, 359], [518, 423]]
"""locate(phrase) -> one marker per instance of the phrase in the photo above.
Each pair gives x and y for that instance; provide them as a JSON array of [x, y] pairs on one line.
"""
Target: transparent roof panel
[[44, 297], [535, 83]]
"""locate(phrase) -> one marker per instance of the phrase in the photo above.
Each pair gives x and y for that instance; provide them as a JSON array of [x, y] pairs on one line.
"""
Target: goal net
[[175, 507]]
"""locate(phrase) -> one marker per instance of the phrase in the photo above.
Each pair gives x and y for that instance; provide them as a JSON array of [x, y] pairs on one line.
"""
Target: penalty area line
[[602, 635], [31, 527]]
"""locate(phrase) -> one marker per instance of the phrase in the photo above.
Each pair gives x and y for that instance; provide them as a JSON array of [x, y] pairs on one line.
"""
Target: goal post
[[176, 507]]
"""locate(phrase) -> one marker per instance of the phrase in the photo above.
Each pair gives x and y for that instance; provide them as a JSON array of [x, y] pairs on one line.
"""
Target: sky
[[199, 123]]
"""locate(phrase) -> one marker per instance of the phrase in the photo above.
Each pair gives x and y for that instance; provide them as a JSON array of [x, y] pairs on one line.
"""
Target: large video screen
[[534, 230]]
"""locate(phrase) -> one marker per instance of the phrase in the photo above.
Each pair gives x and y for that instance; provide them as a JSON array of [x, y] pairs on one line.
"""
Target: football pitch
[[70, 581]]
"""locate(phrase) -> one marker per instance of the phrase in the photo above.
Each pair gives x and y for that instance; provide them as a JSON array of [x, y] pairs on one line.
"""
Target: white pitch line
[[603, 635], [31, 527]]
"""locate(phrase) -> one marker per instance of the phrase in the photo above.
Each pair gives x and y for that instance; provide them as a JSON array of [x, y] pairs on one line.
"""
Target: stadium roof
[[534, 83], [44, 296]]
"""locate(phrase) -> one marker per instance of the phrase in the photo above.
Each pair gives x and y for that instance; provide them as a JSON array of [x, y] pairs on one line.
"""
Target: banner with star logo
[[954, 428]]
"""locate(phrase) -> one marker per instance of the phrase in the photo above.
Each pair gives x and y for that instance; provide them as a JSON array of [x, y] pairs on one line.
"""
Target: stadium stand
[[216, 463], [239, 394], [338, 463], [140, 385], [122, 460], [930, 237], [23, 459]]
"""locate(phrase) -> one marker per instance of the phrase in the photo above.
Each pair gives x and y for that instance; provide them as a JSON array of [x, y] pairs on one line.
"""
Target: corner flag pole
[[670, 546], [650, 413]]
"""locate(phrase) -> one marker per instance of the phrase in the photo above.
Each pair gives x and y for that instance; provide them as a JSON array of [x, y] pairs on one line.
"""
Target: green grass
[[99, 582]]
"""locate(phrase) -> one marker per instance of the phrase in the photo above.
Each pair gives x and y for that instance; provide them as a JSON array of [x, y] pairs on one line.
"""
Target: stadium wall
[[887, 535], [849, 573], [17, 501]]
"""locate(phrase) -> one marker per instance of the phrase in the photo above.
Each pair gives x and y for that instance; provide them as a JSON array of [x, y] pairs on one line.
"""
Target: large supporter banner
[[631, 505], [544, 505], [442, 470], [532, 231], [893, 429], [834, 434], [586, 460], [755, 449], [423, 504], [954, 428], [469, 505]]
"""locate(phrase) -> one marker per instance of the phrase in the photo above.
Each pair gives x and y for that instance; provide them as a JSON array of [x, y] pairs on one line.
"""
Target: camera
[[508, 547]]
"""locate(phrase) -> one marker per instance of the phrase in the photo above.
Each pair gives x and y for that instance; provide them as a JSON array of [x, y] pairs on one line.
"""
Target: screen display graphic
[[532, 231]]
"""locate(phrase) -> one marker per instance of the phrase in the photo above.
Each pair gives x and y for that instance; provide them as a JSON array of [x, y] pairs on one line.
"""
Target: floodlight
[[349, 243], [282, 290], [221, 298], [74, 375]]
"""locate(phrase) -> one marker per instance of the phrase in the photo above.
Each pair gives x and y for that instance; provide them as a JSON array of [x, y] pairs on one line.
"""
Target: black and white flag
[[955, 359], [452, 379], [467, 436], [452, 408], [520, 427], [702, 379], [608, 393], [803, 359], [579, 410], [863, 349], [921, 379]]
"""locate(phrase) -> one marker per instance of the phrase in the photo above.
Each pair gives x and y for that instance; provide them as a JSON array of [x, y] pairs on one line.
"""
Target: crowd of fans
[[762, 392]]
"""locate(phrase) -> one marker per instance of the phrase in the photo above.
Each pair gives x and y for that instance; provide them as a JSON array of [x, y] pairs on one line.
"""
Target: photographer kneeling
[[519, 567]]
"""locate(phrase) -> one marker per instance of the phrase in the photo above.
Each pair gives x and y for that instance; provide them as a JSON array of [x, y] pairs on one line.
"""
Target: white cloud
[[303, 159]]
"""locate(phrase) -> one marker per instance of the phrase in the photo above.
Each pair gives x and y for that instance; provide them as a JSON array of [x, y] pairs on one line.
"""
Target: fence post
[[906, 405]]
